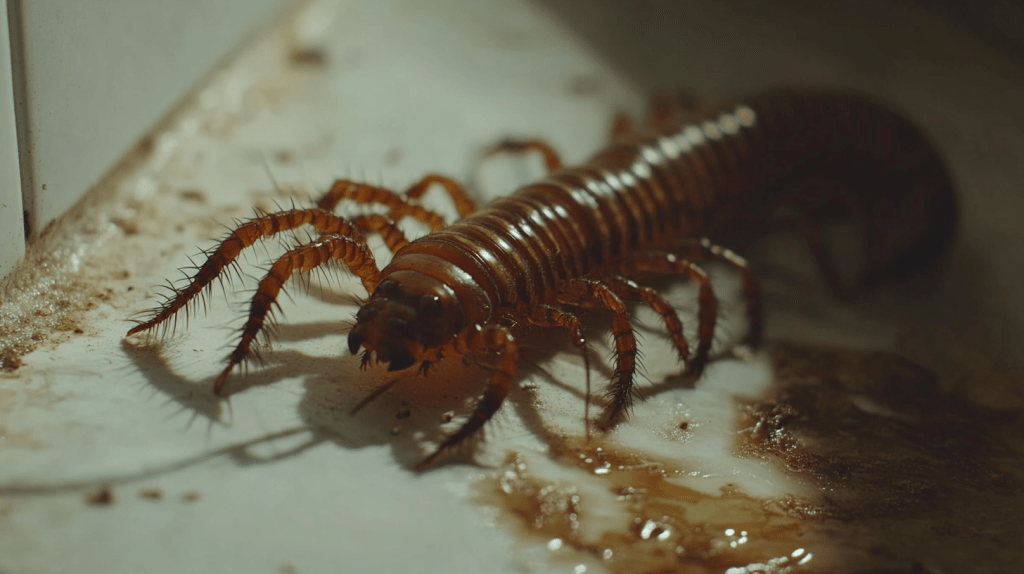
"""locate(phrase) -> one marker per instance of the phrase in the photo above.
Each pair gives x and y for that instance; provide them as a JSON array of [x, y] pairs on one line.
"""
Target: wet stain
[[903, 476], [631, 515]]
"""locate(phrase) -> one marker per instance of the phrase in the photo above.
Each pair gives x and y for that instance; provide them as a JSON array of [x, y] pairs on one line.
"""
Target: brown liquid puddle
[[907, 479]]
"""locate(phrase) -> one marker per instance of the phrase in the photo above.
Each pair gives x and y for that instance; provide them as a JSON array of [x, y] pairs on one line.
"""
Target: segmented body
[[574, 239]]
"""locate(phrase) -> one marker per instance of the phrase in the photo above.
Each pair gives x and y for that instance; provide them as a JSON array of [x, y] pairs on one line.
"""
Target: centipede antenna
[[373, 395]]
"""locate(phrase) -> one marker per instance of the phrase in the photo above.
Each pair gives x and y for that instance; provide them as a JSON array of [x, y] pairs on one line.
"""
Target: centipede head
[[407, 319]]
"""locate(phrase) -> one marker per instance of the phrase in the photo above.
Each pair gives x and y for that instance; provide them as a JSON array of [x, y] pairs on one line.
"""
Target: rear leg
[[707, 306], [552, 159], [630, 291], [353, 253], [591, 294], [816, 244], [548, 316], [704, 250]]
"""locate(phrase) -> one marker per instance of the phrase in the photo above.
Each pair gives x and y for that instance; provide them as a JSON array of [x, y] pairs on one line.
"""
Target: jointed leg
[[353, 253], [552, 159], [630, 291], [463, 203], [499, 341], [811, 234], [398, 204], [591, 294], [231, 247], [705, 249], [707, 305], [383, 225], [547, 316]]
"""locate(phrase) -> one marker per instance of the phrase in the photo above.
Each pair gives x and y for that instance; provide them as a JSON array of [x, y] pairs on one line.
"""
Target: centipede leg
[[552, 159], [245, 235], [463, 203], [352, 253], [548, 316], [704, 250], [399, 204], [630, 291], [751, 289], [591, 294], [385, 227], [492, 340], [822, 258], [707, 306]]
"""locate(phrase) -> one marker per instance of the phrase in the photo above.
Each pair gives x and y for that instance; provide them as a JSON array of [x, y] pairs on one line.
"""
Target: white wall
[[92, 78]]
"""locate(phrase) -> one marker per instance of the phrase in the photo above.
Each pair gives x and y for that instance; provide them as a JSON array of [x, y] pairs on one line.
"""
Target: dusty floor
[[881, 434]]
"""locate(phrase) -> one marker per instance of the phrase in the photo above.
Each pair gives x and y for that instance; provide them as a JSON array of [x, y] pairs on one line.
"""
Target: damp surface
[[900, 475]]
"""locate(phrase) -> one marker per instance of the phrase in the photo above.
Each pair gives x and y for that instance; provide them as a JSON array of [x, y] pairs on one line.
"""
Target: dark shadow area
[[894, 453], [409, 416]]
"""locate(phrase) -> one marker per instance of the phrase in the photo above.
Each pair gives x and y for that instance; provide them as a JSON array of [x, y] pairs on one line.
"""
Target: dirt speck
[[145, 146], [195, 195], [151, 493], [190, 496], [102, 497], [130, 226], [10, 360], [308, 57]]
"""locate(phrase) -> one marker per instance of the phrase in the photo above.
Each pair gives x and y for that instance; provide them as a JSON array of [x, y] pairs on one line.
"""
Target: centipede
[[581, 238]]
